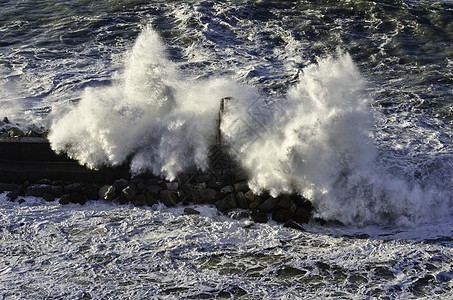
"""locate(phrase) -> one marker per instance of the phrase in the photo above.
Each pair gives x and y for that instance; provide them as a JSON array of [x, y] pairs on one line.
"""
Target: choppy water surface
[[103, 250], [346, 102]]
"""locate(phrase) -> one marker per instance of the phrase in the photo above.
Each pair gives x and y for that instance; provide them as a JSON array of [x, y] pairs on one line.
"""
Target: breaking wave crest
[[151, 116], [316, 140]]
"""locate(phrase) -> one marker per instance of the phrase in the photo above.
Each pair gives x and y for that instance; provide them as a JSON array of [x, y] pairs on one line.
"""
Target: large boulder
[[210, 196], [242, 201], [38, 190], [77, 197], [107, 192], [258, 216], [139, 200], [282, 215], [226, 204], [129, 192], [269, 204], [169, 198]]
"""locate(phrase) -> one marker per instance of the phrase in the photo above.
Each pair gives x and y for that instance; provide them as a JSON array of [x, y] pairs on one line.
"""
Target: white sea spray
[[152, 116]]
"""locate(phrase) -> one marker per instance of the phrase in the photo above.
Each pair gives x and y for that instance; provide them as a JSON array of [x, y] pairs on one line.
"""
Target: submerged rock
[[293, 225], [191, 211]]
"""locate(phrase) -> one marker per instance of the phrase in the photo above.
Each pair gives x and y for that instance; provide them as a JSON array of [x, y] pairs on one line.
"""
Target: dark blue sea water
[[348, 103]]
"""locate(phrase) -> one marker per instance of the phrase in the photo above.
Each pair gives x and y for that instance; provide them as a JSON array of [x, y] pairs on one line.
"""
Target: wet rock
[[226, 204], [191, 211], [243, 203], [269, 204], [258, 216], [77, 197], [65, 199], [48, 197], [203, 178], [172, 186], [154, 189], [302, 215], [256, 203], [5, 120], [139, 200], [239, 214], [169, 198], [214, 184], [282, 215], [289, 272], [8, 187], [13, 195], [284, 201], [129, 192], [248, 224], [210, 196], [74, 187], [227, 190], [293, 225], [241, 187], [120, 184], [44, 181], [15, 132], [23, 188], [142, 187], [191, 193], [303, 202], [38, 190], [107, 192], [90, 191], [250, 196], [151, 199], [22, 200], [444, 276], [33, 133], [137, 180], [201, 186]]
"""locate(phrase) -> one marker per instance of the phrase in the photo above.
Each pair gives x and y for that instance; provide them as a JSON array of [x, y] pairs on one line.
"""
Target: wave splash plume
[[316, 141], [151, 116]]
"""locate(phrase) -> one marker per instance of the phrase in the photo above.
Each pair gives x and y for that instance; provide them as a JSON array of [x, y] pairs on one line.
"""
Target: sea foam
[[315, 141]]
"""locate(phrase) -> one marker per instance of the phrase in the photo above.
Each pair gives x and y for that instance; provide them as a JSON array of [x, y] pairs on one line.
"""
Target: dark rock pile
[[232, 198], [14, 130]]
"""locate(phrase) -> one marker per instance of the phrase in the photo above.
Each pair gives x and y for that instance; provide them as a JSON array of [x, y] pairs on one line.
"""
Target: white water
[[151, 115], [316, 140], [113, 251]]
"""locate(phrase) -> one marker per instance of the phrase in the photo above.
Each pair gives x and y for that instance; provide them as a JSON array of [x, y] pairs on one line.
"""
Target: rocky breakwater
[[231, 197]]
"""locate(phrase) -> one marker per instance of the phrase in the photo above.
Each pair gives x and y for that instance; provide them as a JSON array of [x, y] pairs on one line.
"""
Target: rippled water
[[349, 102]]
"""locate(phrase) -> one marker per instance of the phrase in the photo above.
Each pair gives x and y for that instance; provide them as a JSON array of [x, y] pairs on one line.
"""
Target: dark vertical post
[[219, 120]]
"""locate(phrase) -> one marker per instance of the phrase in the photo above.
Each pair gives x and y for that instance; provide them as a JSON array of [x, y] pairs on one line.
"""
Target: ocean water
[[348, 103]]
